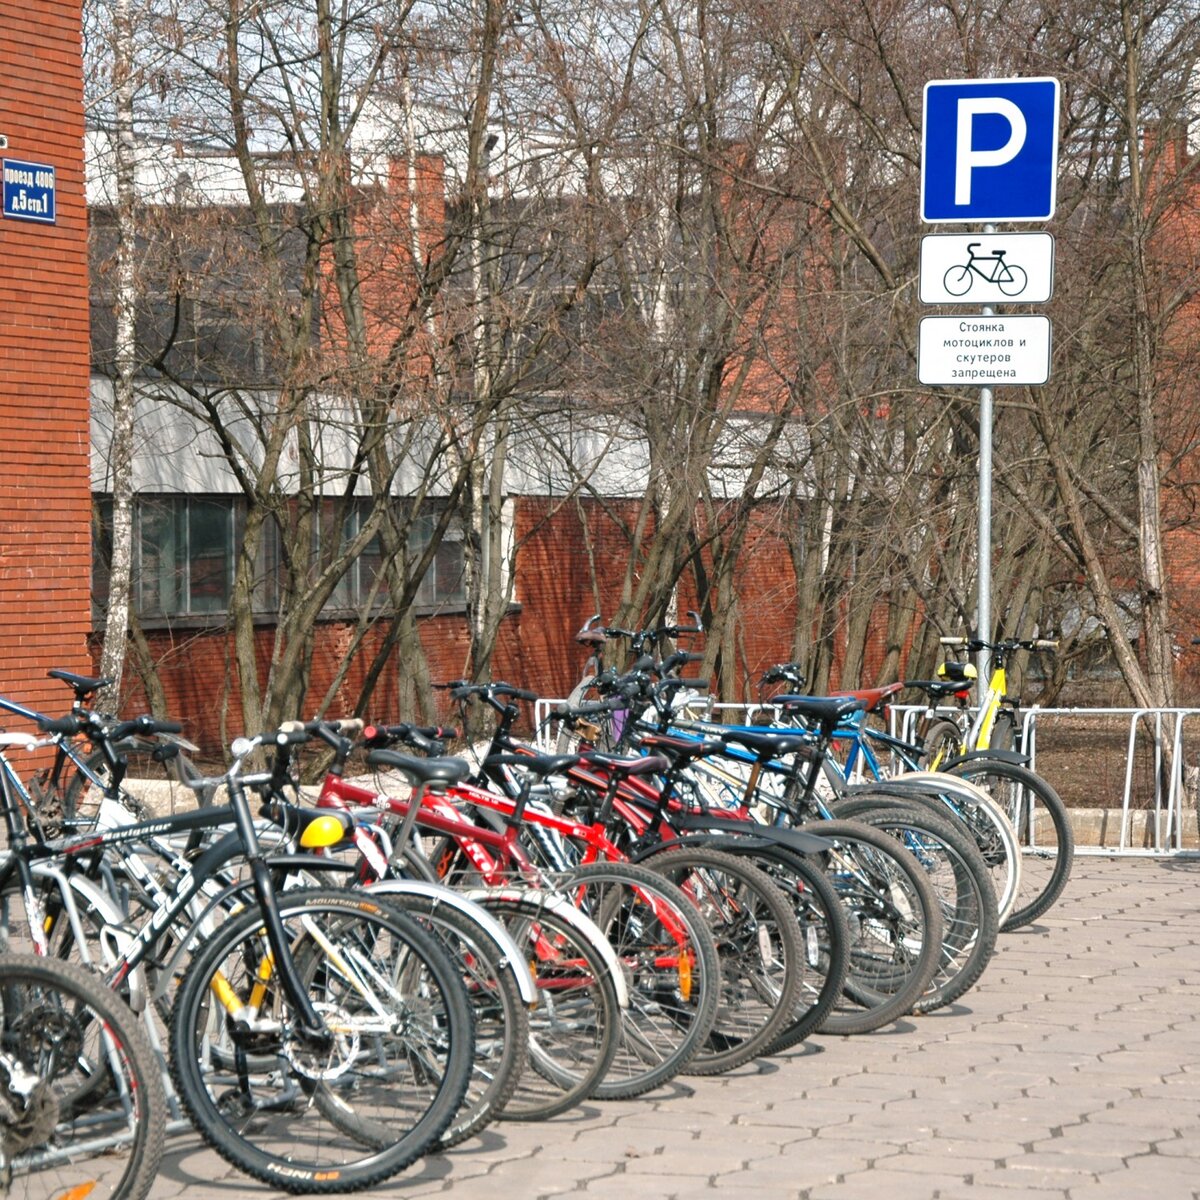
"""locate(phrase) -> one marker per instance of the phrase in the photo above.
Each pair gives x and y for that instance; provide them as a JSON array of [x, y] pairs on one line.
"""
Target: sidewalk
[[1072, 1070]]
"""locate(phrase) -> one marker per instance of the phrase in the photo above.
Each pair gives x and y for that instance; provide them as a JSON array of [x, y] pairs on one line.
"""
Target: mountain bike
[[295, 1013]]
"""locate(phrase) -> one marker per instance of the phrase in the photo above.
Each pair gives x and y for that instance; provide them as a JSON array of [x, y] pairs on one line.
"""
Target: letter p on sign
[[990, 150]]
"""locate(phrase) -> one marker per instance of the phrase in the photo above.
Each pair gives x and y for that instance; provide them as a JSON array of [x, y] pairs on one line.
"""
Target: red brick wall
[[44, 486]]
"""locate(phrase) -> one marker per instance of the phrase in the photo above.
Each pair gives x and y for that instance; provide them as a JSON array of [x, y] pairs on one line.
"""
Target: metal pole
[[984, 608]]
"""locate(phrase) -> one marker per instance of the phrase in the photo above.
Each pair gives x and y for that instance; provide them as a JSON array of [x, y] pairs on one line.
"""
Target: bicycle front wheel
[[82, 1107], [1043, 829], [957, 280], [758, 945], [311, 1117]]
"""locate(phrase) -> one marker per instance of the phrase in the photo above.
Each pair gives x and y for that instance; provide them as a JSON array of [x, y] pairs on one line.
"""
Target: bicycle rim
[[323, 1118]]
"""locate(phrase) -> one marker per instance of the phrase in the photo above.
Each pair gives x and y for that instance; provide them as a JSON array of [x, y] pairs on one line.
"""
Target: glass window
[[185, 553]]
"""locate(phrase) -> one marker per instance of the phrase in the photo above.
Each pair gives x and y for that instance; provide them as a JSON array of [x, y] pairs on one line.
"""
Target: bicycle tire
[[671, 966], [981, 816], [758, 945], [824, 937], [501, 1020], [957, 280], [942, 741], [570, 1048], [568, 740], [895, 925], [1015, 283], [308, 1125], [1043, 833], [58, 1021], [959, 876]]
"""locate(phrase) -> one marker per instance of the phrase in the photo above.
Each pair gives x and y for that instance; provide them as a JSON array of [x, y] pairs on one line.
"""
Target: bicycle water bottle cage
[[958, 671]]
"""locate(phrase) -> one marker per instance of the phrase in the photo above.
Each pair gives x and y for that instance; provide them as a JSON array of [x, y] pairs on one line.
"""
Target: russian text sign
[[983, 351], [28, 191], [989, 150]]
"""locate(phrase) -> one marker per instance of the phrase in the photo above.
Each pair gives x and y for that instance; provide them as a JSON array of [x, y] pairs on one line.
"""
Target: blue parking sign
[[989, 150]]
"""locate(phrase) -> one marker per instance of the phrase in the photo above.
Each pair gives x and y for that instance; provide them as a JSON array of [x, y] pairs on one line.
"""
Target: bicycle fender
[[1013, 757], [797, 840], [115, 935], [477, 914]]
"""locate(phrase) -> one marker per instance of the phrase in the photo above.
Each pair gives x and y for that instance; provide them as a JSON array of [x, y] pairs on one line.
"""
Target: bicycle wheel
[[982, 817], [606, 727], [824, 938], [1014, 281], [957, 280], [576, 1025], [322, 1118], [959, 876], [82, 1107], [942, 742], [894, 921], [1043, 832], [501, 1018], [758, 946], [669, 958]]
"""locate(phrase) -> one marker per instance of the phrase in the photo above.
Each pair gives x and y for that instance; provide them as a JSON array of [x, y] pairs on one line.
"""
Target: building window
[[185, 554]]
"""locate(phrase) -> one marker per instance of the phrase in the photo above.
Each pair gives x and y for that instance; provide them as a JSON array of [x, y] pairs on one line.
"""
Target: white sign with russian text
[[983, 351]]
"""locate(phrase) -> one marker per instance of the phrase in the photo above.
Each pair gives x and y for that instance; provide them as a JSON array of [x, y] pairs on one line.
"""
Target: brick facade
[[44, 613]]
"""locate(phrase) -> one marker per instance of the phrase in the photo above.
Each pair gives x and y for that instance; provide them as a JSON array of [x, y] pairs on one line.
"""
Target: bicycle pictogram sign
[[986, 268], [991, 268]]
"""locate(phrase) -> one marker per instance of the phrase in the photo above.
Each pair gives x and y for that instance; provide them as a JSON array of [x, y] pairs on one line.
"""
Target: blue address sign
[[29, 191]]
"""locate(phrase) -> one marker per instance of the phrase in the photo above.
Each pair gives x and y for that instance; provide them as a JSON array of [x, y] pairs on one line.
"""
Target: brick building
[[45, 554]]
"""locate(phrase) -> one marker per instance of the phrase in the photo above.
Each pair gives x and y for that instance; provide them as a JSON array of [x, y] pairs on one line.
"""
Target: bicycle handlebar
[[974, 644]]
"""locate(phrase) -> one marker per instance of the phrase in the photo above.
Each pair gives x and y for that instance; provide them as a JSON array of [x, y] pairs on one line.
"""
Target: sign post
[[989, 152]]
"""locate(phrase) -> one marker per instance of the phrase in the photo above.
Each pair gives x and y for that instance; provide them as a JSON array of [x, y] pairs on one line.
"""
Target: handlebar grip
[[1045, 644], [952, 641], [503, 689], [292, 733], [144, 724], [690, 683], [68, 725]]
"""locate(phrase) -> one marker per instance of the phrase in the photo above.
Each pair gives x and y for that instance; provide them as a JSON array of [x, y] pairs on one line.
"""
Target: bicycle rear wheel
[[758, 944], [322, 1118], [576, 1025], [501, 1018], [959, 876], [82, 1107], [669, 958], [894, 920]]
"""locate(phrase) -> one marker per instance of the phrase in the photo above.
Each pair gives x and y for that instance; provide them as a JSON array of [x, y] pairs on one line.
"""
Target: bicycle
[[66, 793], [82, 1109], [664, 952], [1009, 278], [1037, 813], [293, 981]]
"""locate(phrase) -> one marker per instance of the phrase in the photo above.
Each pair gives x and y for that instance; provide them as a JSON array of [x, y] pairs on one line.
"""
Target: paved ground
[[1072, 1070]]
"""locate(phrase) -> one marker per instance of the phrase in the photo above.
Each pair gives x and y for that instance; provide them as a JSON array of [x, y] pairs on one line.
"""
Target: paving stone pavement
[[1071, 1070]]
